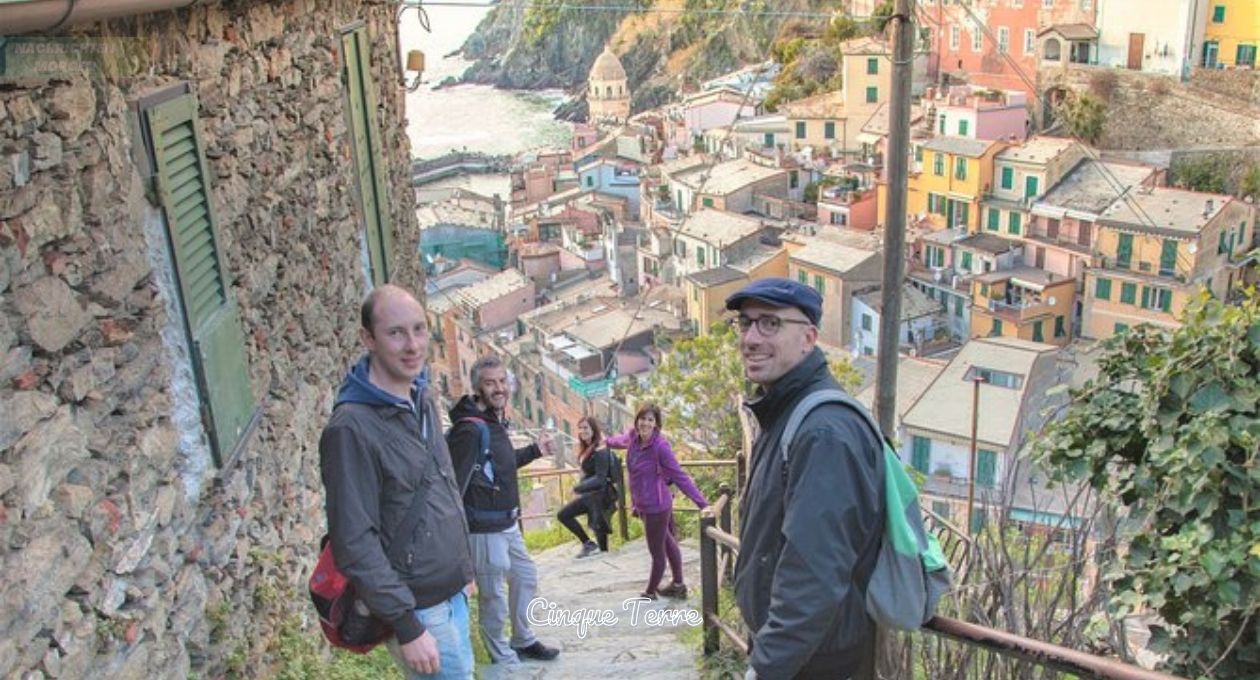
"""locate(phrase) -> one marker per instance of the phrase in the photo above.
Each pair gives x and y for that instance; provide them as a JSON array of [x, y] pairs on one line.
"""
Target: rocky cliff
[[666, 46]]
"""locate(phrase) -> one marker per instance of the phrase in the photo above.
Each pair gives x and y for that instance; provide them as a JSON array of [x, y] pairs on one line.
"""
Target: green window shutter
[[1121, 327], [966, 260], [938, 164], [706, 202], [1165, 300], [802, 277], [1128, 292], [1008, 178], [1218, 14], [700, 256], [995, 217], [866, 322], [918, 153], [963, 210], [872, 95], [800, 129], [942, 124], [997, 328], [959, 303], [962, 128], [1038, 334], [1102, 289], [960, 168], [590, 181], [210, 315], [1168, 258], [1013, 224], [1146, 297], [872, 65], [1030, 186], [369, 158], [1124, 250], [818, 284], [767, 140], [986, 468], [1060, 329], [829, 130], [921, 456]]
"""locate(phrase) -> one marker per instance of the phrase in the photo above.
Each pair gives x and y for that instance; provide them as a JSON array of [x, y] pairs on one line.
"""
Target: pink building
[[496, 302], [977, 112], [848, 207]]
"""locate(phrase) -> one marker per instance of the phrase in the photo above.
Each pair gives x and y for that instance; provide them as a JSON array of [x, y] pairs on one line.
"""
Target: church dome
[[607, 67]]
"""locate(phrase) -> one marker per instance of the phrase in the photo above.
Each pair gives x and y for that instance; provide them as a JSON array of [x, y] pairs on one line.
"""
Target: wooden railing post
[[709, 583], [724, 522]]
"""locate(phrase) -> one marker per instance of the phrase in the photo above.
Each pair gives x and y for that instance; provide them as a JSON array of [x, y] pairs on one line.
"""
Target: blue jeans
[[447, 622]]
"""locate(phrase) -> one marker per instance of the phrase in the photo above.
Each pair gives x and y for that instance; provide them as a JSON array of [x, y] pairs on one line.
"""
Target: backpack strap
[[809, 403], [484, 456]]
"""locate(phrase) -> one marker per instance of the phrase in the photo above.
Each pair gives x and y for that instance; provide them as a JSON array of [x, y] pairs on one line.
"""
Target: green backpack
[[911, 573]]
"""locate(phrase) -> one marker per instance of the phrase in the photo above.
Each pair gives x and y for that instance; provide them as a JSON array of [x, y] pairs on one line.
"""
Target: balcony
[[843, 196], [1016, 312]]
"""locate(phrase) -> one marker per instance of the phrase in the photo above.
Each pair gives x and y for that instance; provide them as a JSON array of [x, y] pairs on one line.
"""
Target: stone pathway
[[649, 647]]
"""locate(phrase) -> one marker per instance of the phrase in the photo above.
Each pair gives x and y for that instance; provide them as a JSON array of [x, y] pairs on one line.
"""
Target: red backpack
[[346, 621]]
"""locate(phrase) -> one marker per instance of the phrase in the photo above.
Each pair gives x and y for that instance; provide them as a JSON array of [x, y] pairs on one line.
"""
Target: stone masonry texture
[[115, 560]]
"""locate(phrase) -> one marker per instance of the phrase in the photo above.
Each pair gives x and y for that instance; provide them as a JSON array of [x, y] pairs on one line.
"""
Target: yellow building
[[957, 172], [1025, 303], [1232, 33], [820, 122], [1159, 249], [707, 290], [835, 270]]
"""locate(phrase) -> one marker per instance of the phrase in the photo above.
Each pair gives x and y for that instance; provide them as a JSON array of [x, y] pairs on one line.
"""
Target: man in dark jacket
[[492, 503], [382, 447], [811, 526]]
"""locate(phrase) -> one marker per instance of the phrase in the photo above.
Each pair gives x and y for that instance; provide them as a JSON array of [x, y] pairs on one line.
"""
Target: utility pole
[[976, 379], [897, 165]]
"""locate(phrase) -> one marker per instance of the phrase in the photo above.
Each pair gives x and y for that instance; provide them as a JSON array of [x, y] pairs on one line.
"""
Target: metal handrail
[[1007, 644]]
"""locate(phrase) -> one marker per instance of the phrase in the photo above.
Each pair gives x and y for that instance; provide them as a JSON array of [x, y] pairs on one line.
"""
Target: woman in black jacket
[[595, 492]]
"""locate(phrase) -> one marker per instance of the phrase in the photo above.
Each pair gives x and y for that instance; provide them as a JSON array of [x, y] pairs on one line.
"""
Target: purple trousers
[[659, 529]]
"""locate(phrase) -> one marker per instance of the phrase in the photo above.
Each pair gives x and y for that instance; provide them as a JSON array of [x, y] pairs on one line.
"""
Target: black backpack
[[616, 483]]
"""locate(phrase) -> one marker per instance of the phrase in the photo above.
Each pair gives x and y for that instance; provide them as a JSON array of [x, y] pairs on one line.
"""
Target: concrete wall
[[127, 554]]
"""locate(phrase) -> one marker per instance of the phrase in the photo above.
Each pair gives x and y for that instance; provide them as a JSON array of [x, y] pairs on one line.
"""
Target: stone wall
[[1151, 111], [120, 558]]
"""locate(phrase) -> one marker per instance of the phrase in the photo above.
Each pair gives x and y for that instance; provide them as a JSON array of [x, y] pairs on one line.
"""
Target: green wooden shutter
[[1038, 333], [1008, 178], [1168, 257], [1030, 186], [1128, 292], [1124, 250], [921, 457], [1102, 289], [1060, 329], [1013, 223], [210, 315], [995, 216], [966, 261], [986, 468], [369, 159]]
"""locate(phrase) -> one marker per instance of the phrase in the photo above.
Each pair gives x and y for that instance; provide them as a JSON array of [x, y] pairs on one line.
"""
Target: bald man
[[387, 471]]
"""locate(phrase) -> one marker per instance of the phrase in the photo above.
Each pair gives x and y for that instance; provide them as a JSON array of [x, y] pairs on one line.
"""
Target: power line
[[636, 9]]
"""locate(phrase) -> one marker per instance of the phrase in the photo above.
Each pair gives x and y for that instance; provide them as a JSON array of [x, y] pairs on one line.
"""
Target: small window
[[966, 261], [1060, 329], [872, 94], [1031, 186], [977, 39], [1030, 41], [866, 322], [962, 128], [960, 168], [707, 202], [700, 256], [955, 37], [818, 284], [829, 130], [590, 181], [1008, 177], [802, 277], [794, 179], [997, 328], [938, 164], [1004, 39], [1121, 327], [800, 129], [1038, 334], [959, 304], [872, 65], [921, 453], [1128, 292], [1013, 223], [986, 468], [1218, 14], [995, 218]]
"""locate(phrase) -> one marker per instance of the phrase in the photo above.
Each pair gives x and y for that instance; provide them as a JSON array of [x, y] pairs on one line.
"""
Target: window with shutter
[[1124, 251], [366, 151], [921, 457], [986, 468], [211, 321], [1102, 289]]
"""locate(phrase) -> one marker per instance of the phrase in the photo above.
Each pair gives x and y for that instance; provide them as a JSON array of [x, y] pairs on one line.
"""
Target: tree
[[700, 385], [1251, 183], [1084, 116], [1208, 173], [1169, 431]]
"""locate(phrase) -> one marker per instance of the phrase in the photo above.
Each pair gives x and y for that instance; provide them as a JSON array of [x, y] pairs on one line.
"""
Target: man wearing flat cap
[[811, 519]]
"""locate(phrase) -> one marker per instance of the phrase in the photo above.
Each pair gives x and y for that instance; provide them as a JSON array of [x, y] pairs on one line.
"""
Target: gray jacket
[[375, 454], [807, 548]]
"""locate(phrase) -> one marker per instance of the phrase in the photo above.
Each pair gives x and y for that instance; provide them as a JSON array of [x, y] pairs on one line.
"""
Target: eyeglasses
[[767, 324]]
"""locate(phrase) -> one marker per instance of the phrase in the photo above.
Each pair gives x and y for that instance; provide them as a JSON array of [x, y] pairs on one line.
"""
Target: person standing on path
[[382, 447], [485, 464], [810, 524], [651, 467], [596, 491]]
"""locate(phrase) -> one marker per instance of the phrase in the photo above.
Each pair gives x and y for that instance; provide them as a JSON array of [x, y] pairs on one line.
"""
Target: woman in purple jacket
[[652, 467]]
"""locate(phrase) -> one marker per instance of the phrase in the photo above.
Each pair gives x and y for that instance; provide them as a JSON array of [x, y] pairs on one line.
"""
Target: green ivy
[[1169, 432]]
